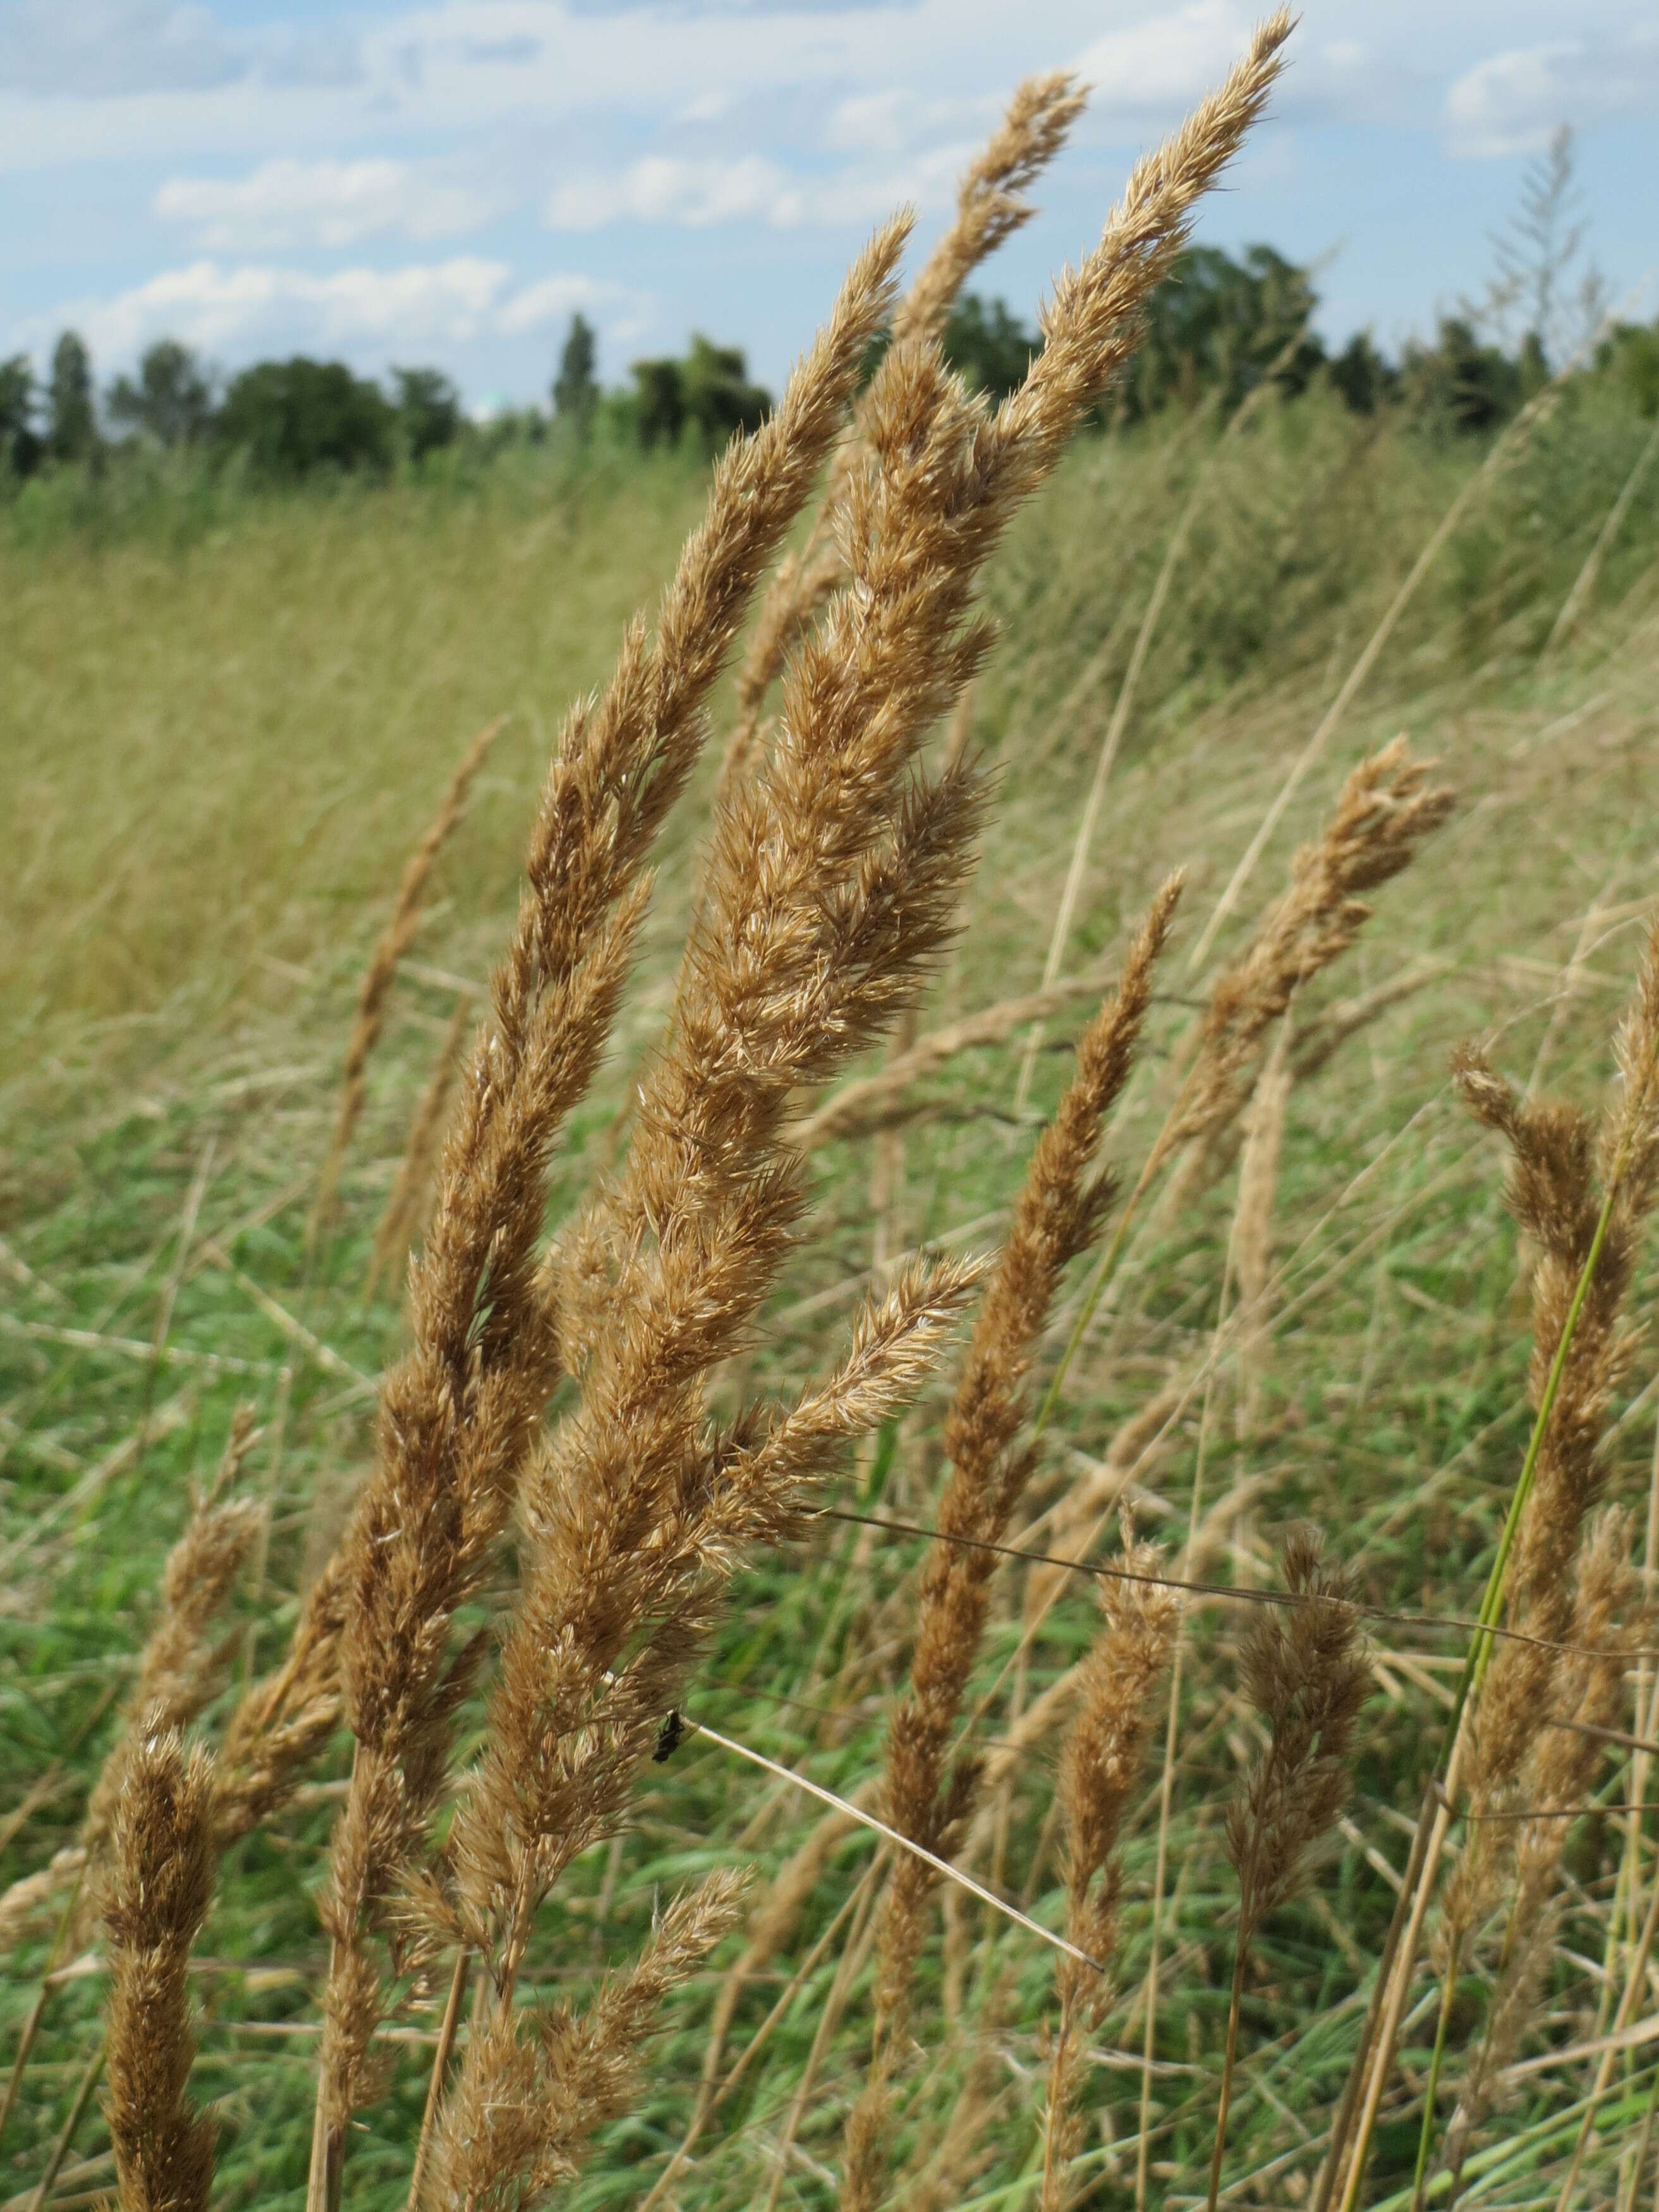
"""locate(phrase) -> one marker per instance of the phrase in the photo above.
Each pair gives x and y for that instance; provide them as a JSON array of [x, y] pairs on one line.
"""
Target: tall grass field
[[1000, 1548]]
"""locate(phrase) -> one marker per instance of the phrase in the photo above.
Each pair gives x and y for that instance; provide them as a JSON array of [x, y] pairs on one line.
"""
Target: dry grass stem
[[160, 1886], [1306, 1672], [411, 1201], [1100, 1773], [991, 206], [537, 2081], [1057, 1216], [459, 1413], [399, 934]]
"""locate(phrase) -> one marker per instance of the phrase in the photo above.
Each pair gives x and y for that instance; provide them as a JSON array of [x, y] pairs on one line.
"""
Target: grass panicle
[[1101, 1772], [533, 2098], [162, 1863], [1304, 1669], [1056, 1218], [673, 1497], [459, 1413], [991, 205]]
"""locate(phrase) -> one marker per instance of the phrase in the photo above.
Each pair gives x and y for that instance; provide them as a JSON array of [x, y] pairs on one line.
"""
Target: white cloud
[[210, 306], [1168, 60], [92, 48], [891, 121], [1510, 102], [691, 193], [249, 307], [622, 314], [284, 205]]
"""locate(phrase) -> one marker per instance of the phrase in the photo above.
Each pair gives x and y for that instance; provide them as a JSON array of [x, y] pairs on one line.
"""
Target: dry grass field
[[226, 729]]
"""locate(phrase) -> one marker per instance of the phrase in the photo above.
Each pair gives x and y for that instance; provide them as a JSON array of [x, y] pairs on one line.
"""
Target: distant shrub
[[428, 411], [575, 389], [292, 416], [1629, 359], [73, 435], [990, 349], [172, 402], [1458, 383], [20, 448], [1219, 324], [710, 389]]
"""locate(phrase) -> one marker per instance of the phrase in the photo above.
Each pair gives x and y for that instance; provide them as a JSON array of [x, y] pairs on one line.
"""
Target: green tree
[[292, 416], [719, 396], [1218, 324], [173, 400], [660, 402], [428, 411], [1629, 355], [73, 435], [20, 447], [1458, 383], [1361, 376], [989, 349], [575, 388]]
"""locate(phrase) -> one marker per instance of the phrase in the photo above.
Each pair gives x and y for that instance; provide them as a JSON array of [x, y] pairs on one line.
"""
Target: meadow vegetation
[[496, 1633]]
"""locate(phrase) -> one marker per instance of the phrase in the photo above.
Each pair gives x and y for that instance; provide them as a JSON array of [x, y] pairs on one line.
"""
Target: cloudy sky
[[394, 182]]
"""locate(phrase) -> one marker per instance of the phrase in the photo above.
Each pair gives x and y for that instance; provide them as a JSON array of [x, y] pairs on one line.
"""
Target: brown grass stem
[[90, 2077], [435, 2090], [1585, 583], [402, 927], [1378, 2055], [937, 1866], [1502, 451], [1124, 702]]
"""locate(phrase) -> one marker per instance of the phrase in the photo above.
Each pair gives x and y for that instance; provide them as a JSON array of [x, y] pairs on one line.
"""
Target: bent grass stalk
[[402, 927], [1413, 1898], [1125, 702], [1502, 451]]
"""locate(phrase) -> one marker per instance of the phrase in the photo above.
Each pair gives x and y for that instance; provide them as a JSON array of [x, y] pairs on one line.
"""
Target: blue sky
[[445, 183]]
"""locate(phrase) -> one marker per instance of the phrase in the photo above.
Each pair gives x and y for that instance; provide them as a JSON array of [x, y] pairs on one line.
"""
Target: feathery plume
[[1557, 1160], [1304, 1669], [1387, 807], [1583, 1196], [395, 939], [282, 1722], [160, 1889], [991, 202], [181, 1668], [180, 1672], [538, 2081], [1100, 1768], [1057, 1217], [991, 205], [459, 1413], [1558, 1772]]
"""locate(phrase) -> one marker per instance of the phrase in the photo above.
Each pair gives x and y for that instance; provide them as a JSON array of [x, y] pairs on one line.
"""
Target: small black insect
[[668, 1737]]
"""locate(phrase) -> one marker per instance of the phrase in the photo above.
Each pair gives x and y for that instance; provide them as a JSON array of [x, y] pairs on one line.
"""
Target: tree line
[[1215, 329]]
